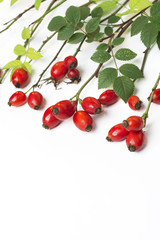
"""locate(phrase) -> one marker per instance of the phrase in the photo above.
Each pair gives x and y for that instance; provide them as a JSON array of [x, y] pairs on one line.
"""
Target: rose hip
[[17, 99], [35, 100], [134, 102], [59, 71], [108, 97], [49, 120], [83, 121], [64, 109], [70, 62], [117, 133], [74, 75], [135, 140], [135, 123], [20, 78], [156, 96], [91, 105]]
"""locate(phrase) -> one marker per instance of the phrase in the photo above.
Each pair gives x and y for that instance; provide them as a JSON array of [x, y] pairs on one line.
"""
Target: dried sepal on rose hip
[[117, 133], [17, 99], [135, 123], [134, 102], [156, 96], [83, 121], [108, 97], [135, 140], [70, 62], [49, 120], [91, 105], [35, 100], [64, 109], [74, 75], [20, 78]]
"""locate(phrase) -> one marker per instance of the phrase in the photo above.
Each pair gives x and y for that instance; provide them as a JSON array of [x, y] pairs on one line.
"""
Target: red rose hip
[[74, 75], [70, 62], [59, 71], [134, 123], [35, 100], [135, 140], [91, 105], [108, 97], [83, 121], [156, 96], [134, 102], [49, 120], [64, 109], [20, 78], [17, 99], [117, 133]]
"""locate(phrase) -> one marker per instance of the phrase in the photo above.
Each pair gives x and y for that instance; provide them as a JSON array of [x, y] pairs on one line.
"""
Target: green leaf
[[107, 6], [56, 23], [158, 40], [13, 64], [19, 50], [26, 33], [98, 36], [123, 87], [84, 12], [129, 11], [117, 41], [139, 4], [106, 77], [97, 12], [37, 4], [73, 14], [27, 67], [103, 47], [92, 25], [114, 19], [131, 71], [1, 1], [76, 38], [149, 34], [13, 1], [155, 9], [138, 25], [100, 56], [33, 54], [125, 54], [108, 31], [66, 32]]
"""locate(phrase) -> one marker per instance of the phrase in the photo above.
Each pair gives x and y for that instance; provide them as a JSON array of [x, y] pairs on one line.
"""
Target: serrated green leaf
[[139, 4], [13, 64], [149, 34], [155, 9], [131, 71], [106, 77], [76, 38], [108, 31], [66, 32], [56, 23], [13, 1], [103, 47], [26, 33], [92, 25], [100, 56], [97, 12], [33, 54], [84, 12], [123, 87], [37, 4], [27, 67], [138, 25], [114, 19], [129, 11], [73, 15], [117, 41], [125, 54], [19, 50], [107, 6]]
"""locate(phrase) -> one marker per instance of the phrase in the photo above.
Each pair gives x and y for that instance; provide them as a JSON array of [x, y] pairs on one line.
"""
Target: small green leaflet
[[97, 12], [103, 46], [100, 56], [125, 54], [107, 6], [155, 9], [149, 34], [56, 23], [66, 32], [76, 38], [138, 25], [117, 41], [114, 19], [123, 87], [106, 77], [27, 66], [13, 64], [84, 12], [108, 31], [19, 50], [139, 4], [26, 33], [73, 15], [92, 25], [37, 4], [13, 1], [131, 71], [32, 54]]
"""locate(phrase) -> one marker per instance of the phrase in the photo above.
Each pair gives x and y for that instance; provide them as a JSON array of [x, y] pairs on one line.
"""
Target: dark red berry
[[70, 62], [74, 75], [83, 121], [117, 133], [156, 96], [134, 123], [135, 140], [35, 100], [91, 105], [20, 78], [64, 109], [59, 71], [17, 99], [49, 120], [134, 102], [108, 97]]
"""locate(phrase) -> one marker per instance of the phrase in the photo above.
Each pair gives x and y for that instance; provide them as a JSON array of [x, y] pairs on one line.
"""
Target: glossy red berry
[[134, 123], [91, 105], [70, 62], [74, 75], [35, 100], [156, 96], [135, 140], [64, 109], [117, 133], [20, 78], [108, 97], [49, 120], [83, 121], [134, 102], [17, 99], [59, 71]]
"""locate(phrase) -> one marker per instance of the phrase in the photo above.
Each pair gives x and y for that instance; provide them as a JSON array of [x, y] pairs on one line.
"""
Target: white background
[[64, 183]]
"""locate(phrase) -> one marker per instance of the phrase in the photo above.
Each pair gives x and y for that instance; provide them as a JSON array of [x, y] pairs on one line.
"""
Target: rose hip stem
[[145, 114]]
